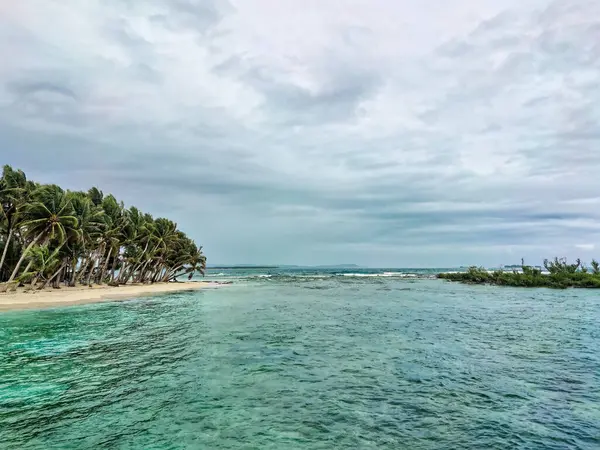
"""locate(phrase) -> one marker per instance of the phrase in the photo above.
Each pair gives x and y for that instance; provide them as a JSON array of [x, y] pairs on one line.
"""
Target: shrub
[[561, 275]]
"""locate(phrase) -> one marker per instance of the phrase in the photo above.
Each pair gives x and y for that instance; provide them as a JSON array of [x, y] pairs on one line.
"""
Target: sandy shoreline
[[83, 294]]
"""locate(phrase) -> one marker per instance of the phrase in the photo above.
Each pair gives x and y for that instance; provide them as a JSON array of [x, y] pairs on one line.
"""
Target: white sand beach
[[83, 294]]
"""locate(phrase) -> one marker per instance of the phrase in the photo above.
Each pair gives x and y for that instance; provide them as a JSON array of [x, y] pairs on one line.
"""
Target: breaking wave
[[304, 275]]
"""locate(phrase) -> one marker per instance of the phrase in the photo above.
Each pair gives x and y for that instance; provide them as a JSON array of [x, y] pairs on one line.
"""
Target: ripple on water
[[317, 364]]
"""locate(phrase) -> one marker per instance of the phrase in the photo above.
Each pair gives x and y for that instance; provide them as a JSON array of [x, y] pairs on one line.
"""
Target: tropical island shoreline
[[53, 240], [68, 296]]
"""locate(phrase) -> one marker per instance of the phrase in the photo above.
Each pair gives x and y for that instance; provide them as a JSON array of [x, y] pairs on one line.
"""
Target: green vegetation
[[559, 274], [50, 236]]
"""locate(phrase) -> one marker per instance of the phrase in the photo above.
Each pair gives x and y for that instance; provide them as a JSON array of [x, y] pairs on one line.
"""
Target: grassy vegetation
[[559, 274]]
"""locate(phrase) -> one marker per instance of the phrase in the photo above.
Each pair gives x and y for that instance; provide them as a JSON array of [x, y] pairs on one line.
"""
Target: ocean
[[307, 359]]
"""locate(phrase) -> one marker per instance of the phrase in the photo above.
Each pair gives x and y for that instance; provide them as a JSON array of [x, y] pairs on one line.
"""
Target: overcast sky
[[376, 132]]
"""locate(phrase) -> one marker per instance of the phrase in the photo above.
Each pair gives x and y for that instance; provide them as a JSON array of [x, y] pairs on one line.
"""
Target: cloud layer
[[358, 131]]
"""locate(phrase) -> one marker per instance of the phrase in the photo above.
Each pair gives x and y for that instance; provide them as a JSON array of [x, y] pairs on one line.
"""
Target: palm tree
[[96, 196], [190, 260], [63, 259], [12, 196], [62, 236], [43, 260], [48, 218], [113, 235], [134, 229], [90, 223]]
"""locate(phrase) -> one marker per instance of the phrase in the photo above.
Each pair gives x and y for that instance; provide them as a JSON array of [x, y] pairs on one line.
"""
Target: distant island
[[283, 266], [558, 274], [517, 266], [240, 267], [328, 266], [339, 266]]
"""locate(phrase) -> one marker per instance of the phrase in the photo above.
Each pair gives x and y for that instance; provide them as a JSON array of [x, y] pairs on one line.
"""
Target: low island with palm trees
[[56, 238]]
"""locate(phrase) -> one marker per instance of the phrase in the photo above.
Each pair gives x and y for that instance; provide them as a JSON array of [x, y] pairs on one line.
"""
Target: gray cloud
[[25, 89], [300, 133], [196, 15]]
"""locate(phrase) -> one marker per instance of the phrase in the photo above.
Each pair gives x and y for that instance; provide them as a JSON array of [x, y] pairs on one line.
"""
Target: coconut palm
[[12, 197], [43, 260], [90, 222], [96, 196], [133, 233], [61, 236], [49, 217]]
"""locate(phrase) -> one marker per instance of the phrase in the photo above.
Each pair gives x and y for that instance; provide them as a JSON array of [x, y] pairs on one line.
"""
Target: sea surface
[[307, 359]]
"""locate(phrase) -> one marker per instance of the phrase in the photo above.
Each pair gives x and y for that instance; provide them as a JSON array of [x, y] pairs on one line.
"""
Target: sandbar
[[50, 298]]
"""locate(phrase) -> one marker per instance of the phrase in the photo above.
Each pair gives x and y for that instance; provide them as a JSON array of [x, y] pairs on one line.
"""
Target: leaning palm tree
[[115, 219], [196, 263], [132, 232], [12, 196], [48, 218], [53, 236], [162, 236], [63, 257], [90, 222], [43, 261], [96, 196]]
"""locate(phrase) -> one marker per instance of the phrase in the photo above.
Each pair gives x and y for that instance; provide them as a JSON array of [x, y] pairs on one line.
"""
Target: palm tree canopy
[[85, 236], [50, 214]]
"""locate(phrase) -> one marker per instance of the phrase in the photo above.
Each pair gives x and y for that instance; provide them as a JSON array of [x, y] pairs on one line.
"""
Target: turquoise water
[[307, 361]]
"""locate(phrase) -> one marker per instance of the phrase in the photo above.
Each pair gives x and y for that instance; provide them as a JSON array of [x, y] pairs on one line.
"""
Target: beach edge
[[84, 295]]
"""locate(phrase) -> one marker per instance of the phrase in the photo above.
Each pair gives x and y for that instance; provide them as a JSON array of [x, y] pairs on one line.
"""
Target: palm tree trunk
[[132, 272], [28, 266], [156, 273], [169, 274], [47, 282], [84, 265], [130, 275], [114, 267], [142, 266], [126, 272], [143, 271], [105, 266], [6, 244], [34, 280], [24, 254], [94, 261], [160, 273], [145, 277], [73, 279], [135, 272], [122, 272], [60, 278]]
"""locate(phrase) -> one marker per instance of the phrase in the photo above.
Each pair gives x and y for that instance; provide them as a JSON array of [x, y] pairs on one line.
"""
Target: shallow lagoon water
[[307, 363]]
